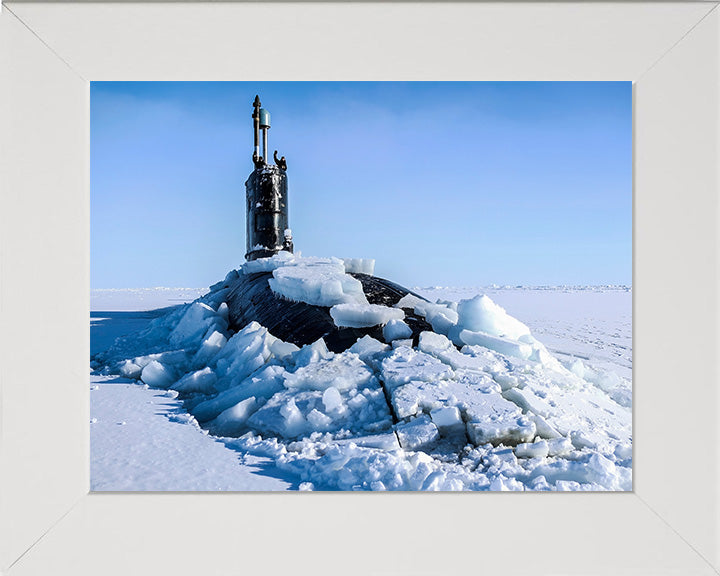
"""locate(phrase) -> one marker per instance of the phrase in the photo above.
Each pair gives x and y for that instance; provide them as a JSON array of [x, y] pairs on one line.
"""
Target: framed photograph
[[49, 54], [487, 347]]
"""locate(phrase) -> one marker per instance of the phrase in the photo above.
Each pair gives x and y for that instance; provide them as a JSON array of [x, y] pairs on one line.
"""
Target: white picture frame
[[51, 524]]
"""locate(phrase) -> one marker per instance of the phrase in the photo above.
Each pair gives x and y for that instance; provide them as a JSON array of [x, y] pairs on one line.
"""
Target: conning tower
[[268, 231]]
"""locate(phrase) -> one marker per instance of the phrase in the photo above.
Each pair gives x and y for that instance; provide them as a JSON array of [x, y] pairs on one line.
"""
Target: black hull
[[251, 299]]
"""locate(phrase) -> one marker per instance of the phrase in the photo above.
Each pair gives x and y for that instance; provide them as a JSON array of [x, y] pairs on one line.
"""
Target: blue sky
[[443, 183]]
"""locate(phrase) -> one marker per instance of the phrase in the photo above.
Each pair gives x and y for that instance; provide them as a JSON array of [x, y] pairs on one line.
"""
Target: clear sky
[[443, 183]]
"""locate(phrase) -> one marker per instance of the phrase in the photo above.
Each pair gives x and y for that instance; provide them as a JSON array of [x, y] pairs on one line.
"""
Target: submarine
[[250, 296]]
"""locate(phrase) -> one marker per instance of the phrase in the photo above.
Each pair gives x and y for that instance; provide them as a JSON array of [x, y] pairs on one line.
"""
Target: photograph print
[[343, 286]]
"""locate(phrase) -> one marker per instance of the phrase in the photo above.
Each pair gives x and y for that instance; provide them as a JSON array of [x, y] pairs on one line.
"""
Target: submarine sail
[[266, 188], [250, 297]]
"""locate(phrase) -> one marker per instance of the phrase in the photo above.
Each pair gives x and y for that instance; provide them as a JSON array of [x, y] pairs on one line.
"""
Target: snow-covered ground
[[143, 439], [536, 398], [143, 299]]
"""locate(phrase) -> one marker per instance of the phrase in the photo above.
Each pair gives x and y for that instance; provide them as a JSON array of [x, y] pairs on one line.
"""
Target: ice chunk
[[244, 353], [497, 343], [540, 354], [467, 384], [396, 329], [491, 361], [501, 432], [602, 470], [417, 434], [342, 371], [502, 484], [501, 459], [405, 364], [537, 449], [446, 418], [559, 447], [232, 420], [544, 430], [355, 315], [209, 348], [481, 314], [129, 369], [581, 439], [175, 359], [317, 281], [442, 318], [229, 278], [406, 399], [359, 265], [367, 346], [156, 375], [578, 368], [197, 381], [410, 301], [385, 441], [528, 401], [398, 343], [332, 400], [311, 353], [623, 451], [262, 385], [197, 320], [432, 342], [293, 413], [294, 421], [443, 349], [282, 258], [282, 350], [495, 420], [318, 420], [419, 396]]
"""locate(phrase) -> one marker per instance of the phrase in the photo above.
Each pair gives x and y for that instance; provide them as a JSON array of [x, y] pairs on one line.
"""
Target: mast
[[265, 127], [256, 126]]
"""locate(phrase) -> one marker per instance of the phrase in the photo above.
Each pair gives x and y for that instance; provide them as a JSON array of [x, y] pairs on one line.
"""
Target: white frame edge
[[49, 522]]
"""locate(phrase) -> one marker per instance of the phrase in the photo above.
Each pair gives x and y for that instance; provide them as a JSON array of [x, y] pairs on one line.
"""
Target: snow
[[141, 439], [479, 404], [140, 299]]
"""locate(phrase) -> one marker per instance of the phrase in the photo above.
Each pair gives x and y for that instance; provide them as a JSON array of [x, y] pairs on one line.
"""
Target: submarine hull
[[251, 299]]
